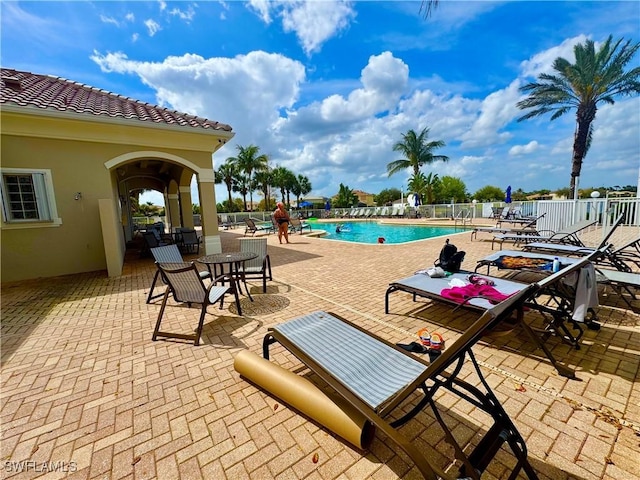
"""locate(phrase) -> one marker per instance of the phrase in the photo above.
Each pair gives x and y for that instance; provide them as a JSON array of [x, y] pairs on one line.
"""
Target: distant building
[[366, 198]]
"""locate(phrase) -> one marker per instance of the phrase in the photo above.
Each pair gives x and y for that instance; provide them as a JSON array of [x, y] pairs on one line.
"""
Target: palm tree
[[596, 77], [227, 174], [263, 182], [345, 197], [301, 187], [417, 152], [281, 176], [428, 6], [249, 161]]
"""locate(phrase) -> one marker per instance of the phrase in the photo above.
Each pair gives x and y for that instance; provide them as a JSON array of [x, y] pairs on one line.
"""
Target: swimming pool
[[369, 232]]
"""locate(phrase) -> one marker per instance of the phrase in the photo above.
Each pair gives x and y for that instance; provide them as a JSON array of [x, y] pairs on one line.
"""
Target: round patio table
[[233, 275]]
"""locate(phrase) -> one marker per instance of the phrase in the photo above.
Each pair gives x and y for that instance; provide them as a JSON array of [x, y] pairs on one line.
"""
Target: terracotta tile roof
[[55, 93]]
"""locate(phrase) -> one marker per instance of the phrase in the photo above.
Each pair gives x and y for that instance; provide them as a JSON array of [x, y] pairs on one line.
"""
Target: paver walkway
[[86, 394]]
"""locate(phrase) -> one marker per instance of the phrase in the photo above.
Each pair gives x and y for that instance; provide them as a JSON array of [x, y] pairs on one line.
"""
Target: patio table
[[234, 260]]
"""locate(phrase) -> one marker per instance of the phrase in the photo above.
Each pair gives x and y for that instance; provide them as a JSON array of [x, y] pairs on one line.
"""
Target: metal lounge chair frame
[[184, 282], [525, 229], [378, 378], [567, 235], [168, 254], [252, 227], [297, 225]]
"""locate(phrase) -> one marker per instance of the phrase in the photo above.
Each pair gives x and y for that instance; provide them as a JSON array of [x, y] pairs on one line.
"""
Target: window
[[27, 197]]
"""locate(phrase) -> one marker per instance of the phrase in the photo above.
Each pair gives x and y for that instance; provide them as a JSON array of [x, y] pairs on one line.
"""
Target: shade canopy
[[305, 204]]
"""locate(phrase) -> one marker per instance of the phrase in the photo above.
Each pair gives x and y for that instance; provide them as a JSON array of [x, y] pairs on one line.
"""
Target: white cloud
[[518, 150], [187, 15], [130, 17], [313, 22], [542, 62], [497, 110], [262, 8], [111, 20], [152, 27]]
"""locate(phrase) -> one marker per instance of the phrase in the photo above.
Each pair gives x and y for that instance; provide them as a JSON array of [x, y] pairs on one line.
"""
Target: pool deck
[[82, 382]]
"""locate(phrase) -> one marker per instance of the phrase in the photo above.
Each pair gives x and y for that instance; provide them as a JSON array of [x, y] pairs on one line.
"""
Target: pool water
[[369, 232]]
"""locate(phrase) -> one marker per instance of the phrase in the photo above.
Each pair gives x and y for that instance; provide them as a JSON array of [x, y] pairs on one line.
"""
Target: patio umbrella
[[327, 206], [305, 204], [507, 198]]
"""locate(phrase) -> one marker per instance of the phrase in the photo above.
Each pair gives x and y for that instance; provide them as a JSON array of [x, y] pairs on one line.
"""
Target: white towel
[[586, 288]]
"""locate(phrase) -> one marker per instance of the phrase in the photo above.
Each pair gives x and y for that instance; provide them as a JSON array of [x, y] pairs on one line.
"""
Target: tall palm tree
[[281, 177], [595, 77], [301, 187], [428, 6], [227, 174], [263, 182], [417, 152], [250, 161]]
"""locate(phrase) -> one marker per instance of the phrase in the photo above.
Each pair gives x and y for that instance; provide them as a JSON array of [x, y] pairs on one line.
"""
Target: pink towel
[[461, 294]]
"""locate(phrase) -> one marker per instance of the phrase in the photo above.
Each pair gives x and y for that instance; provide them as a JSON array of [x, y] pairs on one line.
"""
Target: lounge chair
[[168, 254], [577, 247], [252, 228], [186, 285], [259, 267], [519, 220], [567, 235], [378, 378], [556, 317], [496, 212], [297, 225], [526, 229]]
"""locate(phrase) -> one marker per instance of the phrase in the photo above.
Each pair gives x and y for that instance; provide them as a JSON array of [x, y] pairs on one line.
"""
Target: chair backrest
[[254, 245], [184, 281], [616, 223], [151, 239], [167, 254], [576, 227], [251, 225], [295, 222], [189, 237]]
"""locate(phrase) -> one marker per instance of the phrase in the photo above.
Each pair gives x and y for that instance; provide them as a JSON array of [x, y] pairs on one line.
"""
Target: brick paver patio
[[86, 394]]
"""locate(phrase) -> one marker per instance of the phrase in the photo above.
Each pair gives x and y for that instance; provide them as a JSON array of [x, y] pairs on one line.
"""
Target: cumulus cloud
[[542, 62], [497, 110], [518, 150], [247, 91], [187, 15], [313, 22]]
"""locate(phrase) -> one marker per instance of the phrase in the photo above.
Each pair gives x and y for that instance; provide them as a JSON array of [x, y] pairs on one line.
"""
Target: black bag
[[450, 258]]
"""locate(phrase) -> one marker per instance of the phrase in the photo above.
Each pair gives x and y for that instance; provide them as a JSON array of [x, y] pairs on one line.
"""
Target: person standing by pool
[[282, 219]]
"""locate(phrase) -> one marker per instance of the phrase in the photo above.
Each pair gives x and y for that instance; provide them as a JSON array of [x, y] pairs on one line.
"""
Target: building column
[[173, 210], [209, 212], [186, 208]]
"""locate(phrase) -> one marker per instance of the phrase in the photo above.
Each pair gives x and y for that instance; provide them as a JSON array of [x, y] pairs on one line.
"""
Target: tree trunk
[[585, 115]]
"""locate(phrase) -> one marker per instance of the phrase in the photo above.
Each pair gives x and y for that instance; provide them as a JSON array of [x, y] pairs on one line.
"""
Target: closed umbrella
[[507, 198]]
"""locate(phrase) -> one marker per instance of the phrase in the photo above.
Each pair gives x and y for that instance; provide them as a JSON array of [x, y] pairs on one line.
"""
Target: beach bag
[[450, 258]]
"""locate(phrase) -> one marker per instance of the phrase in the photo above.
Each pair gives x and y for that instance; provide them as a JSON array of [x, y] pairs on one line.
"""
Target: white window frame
[[45, 198]]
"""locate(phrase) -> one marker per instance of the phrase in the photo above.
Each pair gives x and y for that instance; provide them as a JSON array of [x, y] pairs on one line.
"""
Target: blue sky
[[325, 88]]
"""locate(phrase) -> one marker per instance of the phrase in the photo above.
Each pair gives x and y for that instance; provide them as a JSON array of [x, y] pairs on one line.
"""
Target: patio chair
[[566, 235], [189, 240], [525, 229], [496, 212], [380, 380], [168, 254], [186, 285], [259, 267], [151, 240], [297, 225], [252, 228]]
